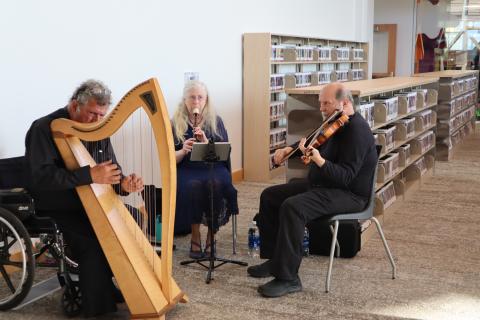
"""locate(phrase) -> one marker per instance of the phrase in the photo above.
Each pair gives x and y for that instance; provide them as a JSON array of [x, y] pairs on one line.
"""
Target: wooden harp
[[144, 278]]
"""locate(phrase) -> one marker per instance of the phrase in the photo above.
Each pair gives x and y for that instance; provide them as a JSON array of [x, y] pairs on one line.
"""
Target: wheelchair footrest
[[40, 290]]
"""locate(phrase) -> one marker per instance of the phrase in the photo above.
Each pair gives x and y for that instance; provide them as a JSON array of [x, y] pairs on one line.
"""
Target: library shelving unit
[[273, 63], [457, 99], [401, 113]]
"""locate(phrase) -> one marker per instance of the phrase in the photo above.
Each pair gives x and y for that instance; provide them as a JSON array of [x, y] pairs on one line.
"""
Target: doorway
[[384, 50]]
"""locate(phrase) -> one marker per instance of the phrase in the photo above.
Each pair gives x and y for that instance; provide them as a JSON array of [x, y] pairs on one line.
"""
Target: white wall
[[401, 13], [49, 47], [431, 18], [364, 17]]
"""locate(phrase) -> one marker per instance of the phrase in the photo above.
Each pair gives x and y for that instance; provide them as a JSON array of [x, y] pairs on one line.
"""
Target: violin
[[318, 136], [337, 120]]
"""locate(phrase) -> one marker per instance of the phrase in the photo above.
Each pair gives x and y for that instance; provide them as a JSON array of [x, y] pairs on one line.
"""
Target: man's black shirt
[[50, 183], [351, 158]]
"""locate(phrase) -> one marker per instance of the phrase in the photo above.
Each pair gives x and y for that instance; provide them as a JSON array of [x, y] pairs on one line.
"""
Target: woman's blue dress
[[193, 188]]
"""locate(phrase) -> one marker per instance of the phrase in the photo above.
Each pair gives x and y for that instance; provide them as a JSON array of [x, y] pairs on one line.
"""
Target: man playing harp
[[53, 188]]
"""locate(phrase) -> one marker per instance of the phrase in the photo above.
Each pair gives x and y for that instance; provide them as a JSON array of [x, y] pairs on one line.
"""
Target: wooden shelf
[[458, 112], [278, 146], [410, 187], [256, 113], [450, 82], [277, 118], [383, 124], [306, 38], [463, 93], [364, 88], [453, 131], [462, 125], [302, 111], [454, 74], [413, 158], [257, 96], [402, 185], [445, 149], [317, 61], [398, 143]]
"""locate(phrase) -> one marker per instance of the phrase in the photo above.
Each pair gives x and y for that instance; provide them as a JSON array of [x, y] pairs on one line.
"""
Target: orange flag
[[419, 51]]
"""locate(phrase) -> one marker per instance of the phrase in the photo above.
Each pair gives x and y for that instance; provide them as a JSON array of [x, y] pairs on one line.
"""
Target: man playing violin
[[339, 180]]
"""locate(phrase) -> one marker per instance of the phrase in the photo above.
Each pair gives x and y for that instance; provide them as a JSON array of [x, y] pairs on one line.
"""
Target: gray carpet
[[434, 236]]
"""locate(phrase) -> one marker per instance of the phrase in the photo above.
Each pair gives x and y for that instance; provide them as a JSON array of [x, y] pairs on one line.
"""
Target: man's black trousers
[[285, 210], [95, 276]]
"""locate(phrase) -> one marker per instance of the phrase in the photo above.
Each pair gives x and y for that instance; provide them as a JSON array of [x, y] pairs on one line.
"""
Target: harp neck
[[145, 95]]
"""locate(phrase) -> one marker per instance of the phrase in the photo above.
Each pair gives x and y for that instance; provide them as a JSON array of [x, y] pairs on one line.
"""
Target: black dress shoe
[[260, 270], [277, 287]]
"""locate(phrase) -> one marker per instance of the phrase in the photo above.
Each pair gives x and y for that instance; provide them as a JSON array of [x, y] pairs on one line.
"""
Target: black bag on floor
[[320, 238]]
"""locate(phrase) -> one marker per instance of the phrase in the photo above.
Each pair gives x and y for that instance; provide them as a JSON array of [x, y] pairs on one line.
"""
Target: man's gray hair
[[92, 89], [344, 94]]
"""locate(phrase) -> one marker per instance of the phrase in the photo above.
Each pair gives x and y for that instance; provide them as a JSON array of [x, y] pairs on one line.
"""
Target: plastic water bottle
[[306, 242], [253, 241]]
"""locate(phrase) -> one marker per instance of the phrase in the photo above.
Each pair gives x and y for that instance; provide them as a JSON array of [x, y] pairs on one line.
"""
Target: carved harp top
[[144, 279]]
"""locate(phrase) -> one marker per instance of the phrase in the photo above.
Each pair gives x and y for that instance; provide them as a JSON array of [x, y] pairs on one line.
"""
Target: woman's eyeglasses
[[193, 98]]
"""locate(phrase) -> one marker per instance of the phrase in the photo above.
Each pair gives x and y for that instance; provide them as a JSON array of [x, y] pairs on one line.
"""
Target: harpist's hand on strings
[[132, 183], [105, 173]]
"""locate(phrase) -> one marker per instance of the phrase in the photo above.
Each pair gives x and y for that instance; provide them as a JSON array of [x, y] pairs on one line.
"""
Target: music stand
[[210, 153]]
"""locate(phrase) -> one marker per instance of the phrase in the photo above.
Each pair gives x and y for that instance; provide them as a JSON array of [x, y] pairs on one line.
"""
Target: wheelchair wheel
[[17, 265], [71, 299]]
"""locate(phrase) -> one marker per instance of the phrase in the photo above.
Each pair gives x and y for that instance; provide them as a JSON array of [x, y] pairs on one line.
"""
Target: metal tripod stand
[[211, 158]]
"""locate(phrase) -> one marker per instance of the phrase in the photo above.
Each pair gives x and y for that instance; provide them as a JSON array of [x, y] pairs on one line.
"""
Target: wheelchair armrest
[[36, 225], [17, 201]]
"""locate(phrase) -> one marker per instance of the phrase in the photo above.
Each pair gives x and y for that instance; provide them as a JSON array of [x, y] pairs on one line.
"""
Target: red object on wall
[[427, 62], [419, 50]]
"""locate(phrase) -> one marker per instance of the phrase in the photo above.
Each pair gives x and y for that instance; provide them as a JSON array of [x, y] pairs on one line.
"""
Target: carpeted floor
[[434, 237]]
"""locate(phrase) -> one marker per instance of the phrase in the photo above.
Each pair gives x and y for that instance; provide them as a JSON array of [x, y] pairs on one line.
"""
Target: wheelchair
[[19, 258]]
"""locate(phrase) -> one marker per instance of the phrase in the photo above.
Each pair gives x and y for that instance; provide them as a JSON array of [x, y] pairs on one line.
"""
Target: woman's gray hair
[[180, 117], [92, 89]]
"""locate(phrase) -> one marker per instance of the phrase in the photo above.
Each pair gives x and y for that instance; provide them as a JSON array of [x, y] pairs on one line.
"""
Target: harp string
[[153, 224], [133, 158]]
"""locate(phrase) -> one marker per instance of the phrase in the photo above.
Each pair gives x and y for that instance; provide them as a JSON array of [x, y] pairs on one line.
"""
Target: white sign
[[190, 76]]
